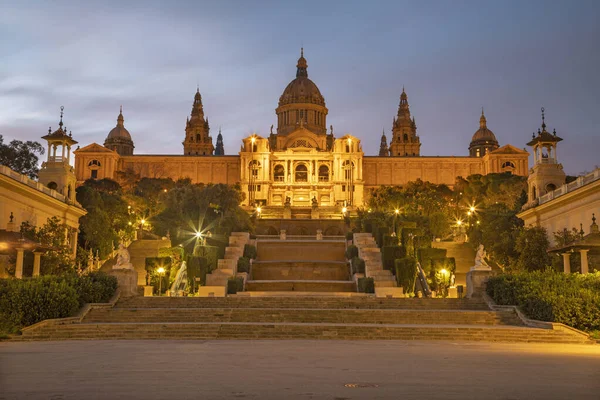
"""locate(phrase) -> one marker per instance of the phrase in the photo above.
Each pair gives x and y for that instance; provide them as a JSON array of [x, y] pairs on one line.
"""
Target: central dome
[[302, 89]]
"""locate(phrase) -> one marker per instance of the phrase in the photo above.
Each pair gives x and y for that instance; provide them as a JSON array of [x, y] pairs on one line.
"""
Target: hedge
[[389, 240], [243, 264], [351, 252], [571, 299], [235, 284], [382, 232], [366, 285], [406, 273], [250, 251], [358, 265], [350, 235], [199, 268], [389, 254], [25, 302], [428, 257]]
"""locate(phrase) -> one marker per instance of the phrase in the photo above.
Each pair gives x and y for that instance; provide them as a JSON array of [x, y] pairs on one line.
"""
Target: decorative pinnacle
[[301, 51], [60, 124], [121, 109], [543, 119]]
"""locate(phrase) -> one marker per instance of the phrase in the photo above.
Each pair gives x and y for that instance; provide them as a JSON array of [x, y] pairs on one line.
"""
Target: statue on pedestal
[[123, 258], [314, 202], [480, 262], [288, 201]]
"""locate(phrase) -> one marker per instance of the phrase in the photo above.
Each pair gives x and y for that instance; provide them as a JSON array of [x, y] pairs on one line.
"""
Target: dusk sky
[[453, 57]]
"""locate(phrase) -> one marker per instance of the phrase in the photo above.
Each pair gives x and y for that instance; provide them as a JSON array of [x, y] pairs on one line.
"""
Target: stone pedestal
[[127, 280], [148, 291], [314, 213], [476, 279], [287, 213]]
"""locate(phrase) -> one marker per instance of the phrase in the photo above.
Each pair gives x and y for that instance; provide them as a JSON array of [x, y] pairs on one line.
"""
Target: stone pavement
[[299, 369]]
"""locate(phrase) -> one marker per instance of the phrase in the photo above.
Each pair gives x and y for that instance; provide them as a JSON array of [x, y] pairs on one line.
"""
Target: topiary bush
[[570, 299], [358, 265], [366, 285], [349, 235], [406, 273], [382, 232], [389, 255], [243, 264], [250, 251], [389, 240], [351, 252], [235, 284]]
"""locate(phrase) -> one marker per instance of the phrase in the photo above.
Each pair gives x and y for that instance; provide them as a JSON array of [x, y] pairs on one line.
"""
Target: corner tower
[[405, 141], [197, 139], [119, 139], [57, 173], [547, 174], [301, 106]]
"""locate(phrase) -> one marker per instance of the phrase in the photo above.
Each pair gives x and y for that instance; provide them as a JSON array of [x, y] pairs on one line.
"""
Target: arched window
[[301, 173], [94, 163], [508, 164], [279, 173], [348, 167], [405, 137], [323, 173], [550, 187], [52, 185], [254, 166], [534, 193]]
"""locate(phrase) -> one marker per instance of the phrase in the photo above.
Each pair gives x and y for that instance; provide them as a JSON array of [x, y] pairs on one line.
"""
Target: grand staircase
[[298, 317]]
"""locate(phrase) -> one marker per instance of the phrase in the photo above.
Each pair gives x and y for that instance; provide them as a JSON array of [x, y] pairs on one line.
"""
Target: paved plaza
[[333, 370]]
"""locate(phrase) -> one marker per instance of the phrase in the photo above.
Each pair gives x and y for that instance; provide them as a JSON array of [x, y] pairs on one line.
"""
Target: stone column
[[37, 255], [19, 265], [584, 261], [566, 263]]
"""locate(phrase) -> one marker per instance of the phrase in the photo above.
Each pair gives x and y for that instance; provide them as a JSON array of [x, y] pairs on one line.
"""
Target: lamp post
[[142, 222], [396, 213], [161, 272]]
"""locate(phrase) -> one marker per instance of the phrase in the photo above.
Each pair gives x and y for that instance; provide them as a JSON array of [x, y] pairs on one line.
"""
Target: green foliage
[[200, 268], [532, 245], [350, 235], [243, 264], [21, 157], [152, 265], [439, 224], [358, 265], [389, 255], [389, 240], [366, 285], [25, 302], [351, 252], [250, 251], [406, 273], [211, 253], [571, 299], [235, 284], [57, 260], [430, 258], [382, 232]]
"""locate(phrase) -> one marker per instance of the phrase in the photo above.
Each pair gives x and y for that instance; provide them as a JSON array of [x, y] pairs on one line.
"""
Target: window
[[254, 166], [348, 167], [52, 185], [508, 164], [94, 163], [301, 173], [279, 173], [323, 173], [550, 187], [94, 174], [254, 188], [405, 137]]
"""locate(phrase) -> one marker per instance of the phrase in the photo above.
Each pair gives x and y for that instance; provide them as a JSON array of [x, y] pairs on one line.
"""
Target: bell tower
[[56, 172], [405, 141], [197, 139], [547, 174]]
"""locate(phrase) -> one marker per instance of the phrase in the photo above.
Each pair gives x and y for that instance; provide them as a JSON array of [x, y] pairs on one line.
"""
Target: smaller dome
[[483, 134], [119, 131]]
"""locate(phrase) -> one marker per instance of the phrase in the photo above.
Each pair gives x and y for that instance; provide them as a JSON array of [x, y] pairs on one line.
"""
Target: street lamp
[[142, 222], [258, 211], [161, 272], [344, 210]]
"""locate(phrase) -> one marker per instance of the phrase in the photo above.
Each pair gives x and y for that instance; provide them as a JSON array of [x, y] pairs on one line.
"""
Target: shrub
[[351, 252], [250, 251], [428, 257], [406, 273], [389, 254], [366, 285], [210, 253], [199, 268], [243, 264], [358, 265], [235, 284], [349, 235], [382, 232], [571, 299], [25, 302], [389, 240]]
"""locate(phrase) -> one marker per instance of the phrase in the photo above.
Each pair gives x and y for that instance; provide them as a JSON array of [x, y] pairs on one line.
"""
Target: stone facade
[[303, 163]]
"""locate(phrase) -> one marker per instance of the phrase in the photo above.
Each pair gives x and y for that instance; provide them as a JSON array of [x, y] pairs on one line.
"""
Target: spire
[[60, 124], [594, 226], [403, 98], [543, 121], [302, 65], [219, 149], [482, 120], [383, 147], [120, 119]]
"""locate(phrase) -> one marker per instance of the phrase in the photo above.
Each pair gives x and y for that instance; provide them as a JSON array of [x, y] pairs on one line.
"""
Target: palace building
[[301, 163]]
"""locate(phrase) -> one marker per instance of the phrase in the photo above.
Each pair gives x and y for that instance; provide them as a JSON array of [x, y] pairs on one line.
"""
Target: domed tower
[[119, 139], [197, 139], [484, 140], [405, 141], [547, 174], [300, 105]]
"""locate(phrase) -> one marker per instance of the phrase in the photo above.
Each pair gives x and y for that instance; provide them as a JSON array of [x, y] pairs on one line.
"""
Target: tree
[[21, 156], [532, 245], [58, 259]]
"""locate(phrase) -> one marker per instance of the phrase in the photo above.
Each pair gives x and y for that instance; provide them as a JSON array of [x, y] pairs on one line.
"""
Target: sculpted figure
[[123, 258], [480, 257]]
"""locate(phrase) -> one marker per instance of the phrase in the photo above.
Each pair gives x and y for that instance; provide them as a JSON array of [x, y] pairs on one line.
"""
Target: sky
[[452, 56]]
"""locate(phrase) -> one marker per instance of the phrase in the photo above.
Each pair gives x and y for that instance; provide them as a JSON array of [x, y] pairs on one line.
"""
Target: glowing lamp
[[344, 210], [160, 270]]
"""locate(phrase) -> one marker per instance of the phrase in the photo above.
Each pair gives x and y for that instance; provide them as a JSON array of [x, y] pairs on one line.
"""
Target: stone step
[[301, 285], [302, 315], [380, 273], [384, 283], [244, 330], [303, 302]]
